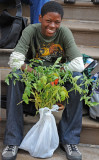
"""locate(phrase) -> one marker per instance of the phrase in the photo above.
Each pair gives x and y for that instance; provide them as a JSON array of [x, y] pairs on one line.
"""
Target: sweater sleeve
[[76, 65], [16, 60]]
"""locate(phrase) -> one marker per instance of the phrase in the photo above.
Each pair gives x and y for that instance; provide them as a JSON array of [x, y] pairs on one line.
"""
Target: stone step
[[85, 32], [80, 10], [89, 151], [90, 129], [5, 53], [89, 50], [89, 133], [12, 9]]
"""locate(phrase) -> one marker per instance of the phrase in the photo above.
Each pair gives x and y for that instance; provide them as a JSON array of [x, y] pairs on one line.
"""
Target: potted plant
[[46, 88]]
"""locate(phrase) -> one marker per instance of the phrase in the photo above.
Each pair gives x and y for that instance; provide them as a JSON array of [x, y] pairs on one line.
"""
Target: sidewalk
[[89, 152]]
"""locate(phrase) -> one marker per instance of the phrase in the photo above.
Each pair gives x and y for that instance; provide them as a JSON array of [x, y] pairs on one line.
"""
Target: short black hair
[[52, 6]]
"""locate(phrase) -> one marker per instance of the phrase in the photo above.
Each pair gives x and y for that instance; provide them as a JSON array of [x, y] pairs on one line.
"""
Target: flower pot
[[61, 106]]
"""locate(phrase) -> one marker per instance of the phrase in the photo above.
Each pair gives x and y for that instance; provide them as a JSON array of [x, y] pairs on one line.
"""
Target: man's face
[[50, 22]]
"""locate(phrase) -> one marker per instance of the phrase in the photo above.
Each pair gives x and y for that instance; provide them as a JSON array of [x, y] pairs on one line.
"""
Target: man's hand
[[29, 69], [62, 69]]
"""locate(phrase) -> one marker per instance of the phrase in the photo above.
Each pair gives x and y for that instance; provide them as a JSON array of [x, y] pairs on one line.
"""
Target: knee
[[80, 79], [18, 72], [77, 74]]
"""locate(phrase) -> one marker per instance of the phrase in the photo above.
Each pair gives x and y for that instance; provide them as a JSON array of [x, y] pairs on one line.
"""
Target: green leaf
[[25, 98], [76, 78], [34, 86], [63, 95], [14, 82], [43, 80], [95, 104], [58, 60], [15, 75], [7, 80], [28, 90]]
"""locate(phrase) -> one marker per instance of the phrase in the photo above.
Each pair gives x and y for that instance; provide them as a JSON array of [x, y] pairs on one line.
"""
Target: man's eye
[[48, 21], [57, 22]]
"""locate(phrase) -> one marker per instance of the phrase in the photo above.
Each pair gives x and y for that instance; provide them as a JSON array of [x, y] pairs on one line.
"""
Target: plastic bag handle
[[19, 8]]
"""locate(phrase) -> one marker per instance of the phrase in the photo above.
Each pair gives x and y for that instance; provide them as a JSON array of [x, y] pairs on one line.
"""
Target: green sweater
[[61, 44]]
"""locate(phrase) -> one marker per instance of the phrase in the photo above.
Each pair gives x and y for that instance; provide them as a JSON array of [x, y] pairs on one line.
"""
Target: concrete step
[[80, 10], [90, 129], [5, 53], [89, 50], [4, 57], [85, 32], [84, 29], [12, 9], [83, 10], [89, 152], [89, 133]]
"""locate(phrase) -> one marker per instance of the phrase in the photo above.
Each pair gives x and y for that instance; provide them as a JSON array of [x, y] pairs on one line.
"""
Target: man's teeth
[[51, 30]]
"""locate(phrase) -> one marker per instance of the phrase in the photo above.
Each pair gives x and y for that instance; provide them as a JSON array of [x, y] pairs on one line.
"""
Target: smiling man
[[46, 41]]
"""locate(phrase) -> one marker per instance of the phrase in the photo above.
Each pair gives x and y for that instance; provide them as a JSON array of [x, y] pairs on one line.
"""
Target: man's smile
[[50, 31]]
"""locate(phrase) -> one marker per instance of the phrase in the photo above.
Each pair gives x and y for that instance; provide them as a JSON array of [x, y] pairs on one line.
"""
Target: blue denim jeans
[[69, 126], [71, 122], [14, 112]]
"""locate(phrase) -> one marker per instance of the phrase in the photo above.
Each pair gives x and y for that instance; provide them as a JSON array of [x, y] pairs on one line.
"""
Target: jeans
[[71, 122], [69, 126], [14, 122]]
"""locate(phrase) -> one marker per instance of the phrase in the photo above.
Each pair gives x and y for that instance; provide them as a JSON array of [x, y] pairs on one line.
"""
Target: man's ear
[[40, 18]]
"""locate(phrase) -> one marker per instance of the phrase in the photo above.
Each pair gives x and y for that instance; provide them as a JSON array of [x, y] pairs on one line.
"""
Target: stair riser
[[89, 136], [77, 11], [81, 13], [3, 88], [4, 58], [86, 38], [70, 12], [81, 38], [12, 11]]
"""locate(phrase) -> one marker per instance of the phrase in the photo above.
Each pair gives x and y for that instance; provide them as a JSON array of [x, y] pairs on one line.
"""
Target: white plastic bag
[[42, 139]]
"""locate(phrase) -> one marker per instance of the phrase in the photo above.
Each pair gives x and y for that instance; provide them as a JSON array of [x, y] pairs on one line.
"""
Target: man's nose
[[52, 24]]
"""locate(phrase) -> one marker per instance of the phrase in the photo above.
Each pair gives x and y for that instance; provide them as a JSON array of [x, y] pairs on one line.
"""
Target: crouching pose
[[47, 40]]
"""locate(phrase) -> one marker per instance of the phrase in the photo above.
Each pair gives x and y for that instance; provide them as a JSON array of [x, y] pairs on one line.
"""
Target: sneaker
[[9, 152], [72, 152]]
